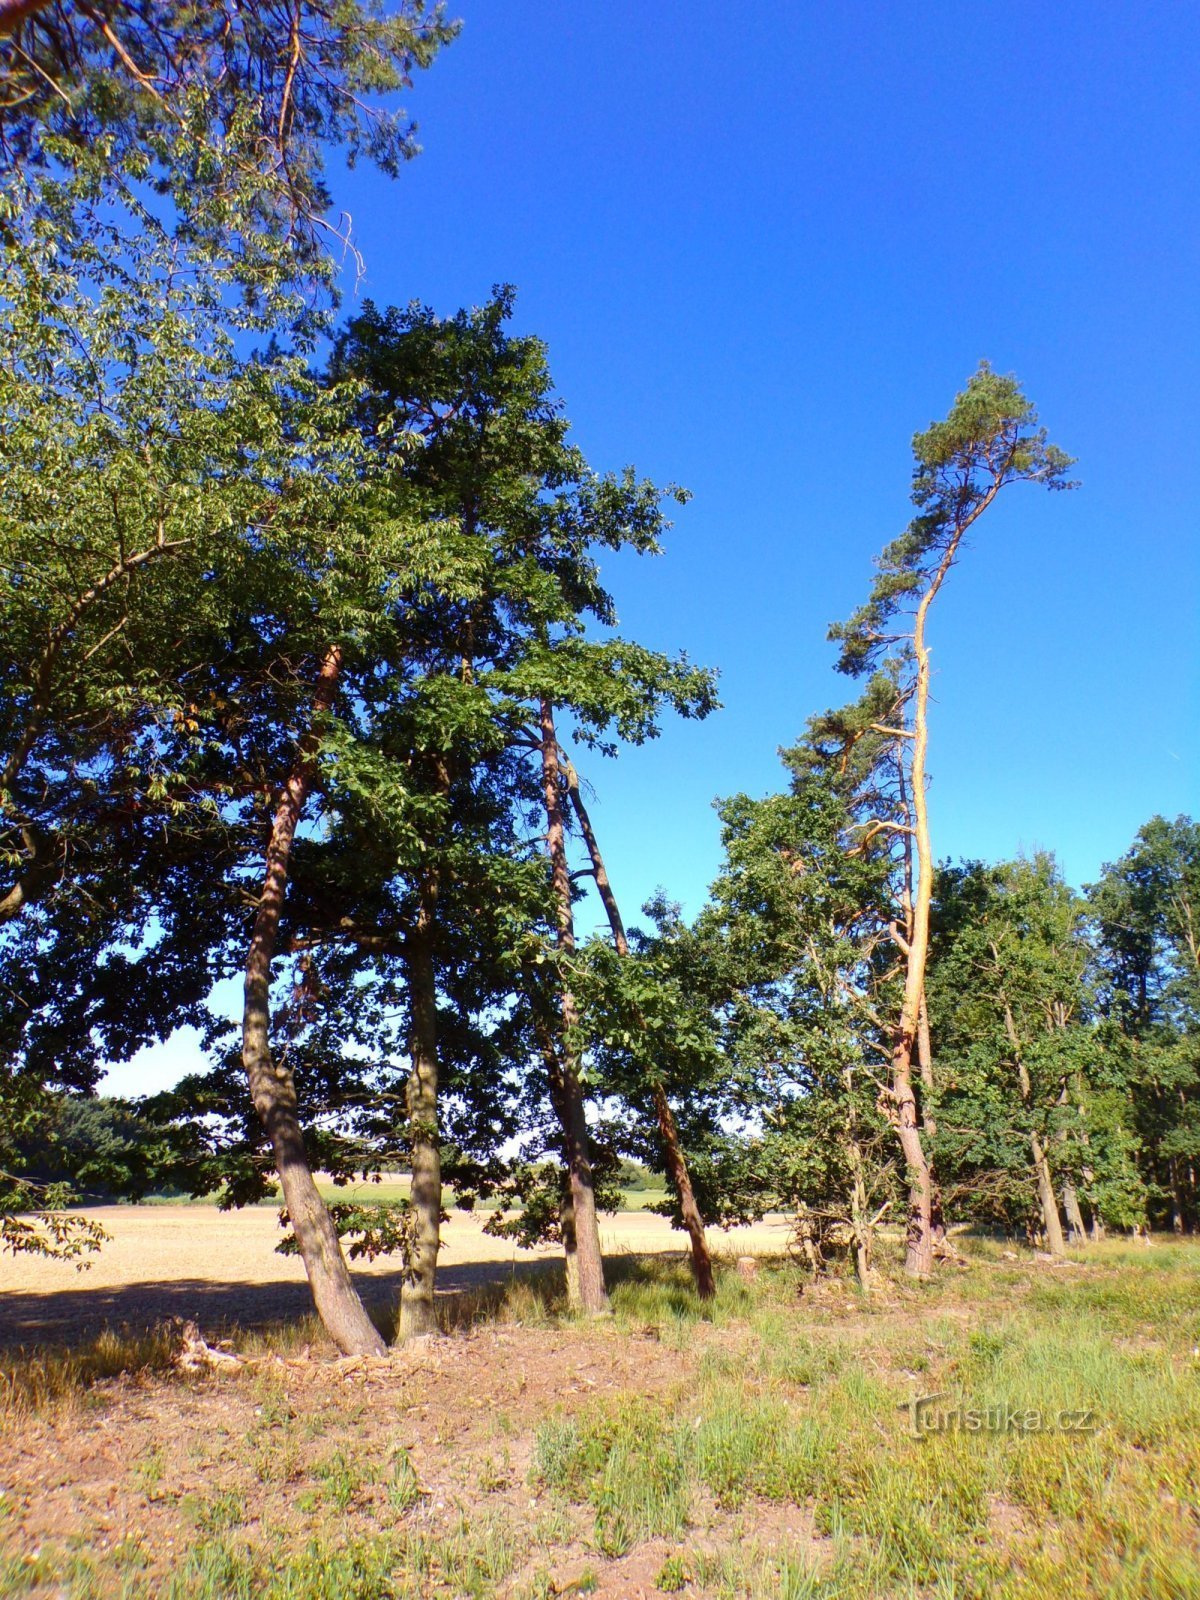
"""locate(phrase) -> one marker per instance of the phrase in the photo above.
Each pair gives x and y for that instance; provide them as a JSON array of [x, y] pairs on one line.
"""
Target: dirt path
[[222, 1267]]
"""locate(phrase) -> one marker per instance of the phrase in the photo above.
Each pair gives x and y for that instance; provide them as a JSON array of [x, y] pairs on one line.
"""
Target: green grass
[[771, 1407], [1109, 1511]]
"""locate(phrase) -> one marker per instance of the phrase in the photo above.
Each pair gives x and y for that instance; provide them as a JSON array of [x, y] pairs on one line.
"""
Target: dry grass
[[758, 1447]]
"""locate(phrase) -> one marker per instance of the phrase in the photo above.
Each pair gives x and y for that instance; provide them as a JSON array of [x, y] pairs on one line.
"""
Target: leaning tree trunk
[[676, 1160], [1051, 1223], [272, 1086], [417, 1311], [1070, 1202], [593, 1297], [907, 1040]]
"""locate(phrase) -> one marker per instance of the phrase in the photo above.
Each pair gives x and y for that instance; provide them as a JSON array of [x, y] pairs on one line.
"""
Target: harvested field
[[221, 1269]]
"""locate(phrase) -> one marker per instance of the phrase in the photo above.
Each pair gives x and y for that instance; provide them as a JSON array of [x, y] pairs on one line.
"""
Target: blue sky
[[764, 245]]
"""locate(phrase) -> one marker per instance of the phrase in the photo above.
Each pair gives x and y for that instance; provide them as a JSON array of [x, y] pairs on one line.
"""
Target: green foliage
[[387, 1228], [34, 1221], [225, 112], [1019, 1049], [1146, 911], [989, 439]]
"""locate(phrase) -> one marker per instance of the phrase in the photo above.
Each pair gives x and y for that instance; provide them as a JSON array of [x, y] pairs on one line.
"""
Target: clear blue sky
[[764, 245]]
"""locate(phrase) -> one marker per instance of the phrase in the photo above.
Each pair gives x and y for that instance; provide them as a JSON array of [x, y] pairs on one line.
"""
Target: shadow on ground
[[73, 1316]]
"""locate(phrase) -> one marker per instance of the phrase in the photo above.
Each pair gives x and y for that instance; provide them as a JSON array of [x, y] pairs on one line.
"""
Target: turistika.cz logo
[[945, 1413]]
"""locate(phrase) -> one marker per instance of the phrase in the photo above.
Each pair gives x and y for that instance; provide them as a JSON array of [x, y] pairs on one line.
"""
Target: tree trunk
[[676, 1160], [907, 1039], [566, 1203], [589, 1261], [1097, 1229], [1177, 1202], [1070, 1202], [272, 1087], [1045, 1186], [918, 1257], [566, 1227], [702, 1267], [1051, 1225], [937, 1218], [41, 867], [860, 1222], [592, 1295], [417, 1310]]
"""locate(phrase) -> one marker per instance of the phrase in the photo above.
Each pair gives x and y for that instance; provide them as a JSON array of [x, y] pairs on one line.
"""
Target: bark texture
[[272, 1086], [417, 1311], [593, 1296], [1070, 1202]]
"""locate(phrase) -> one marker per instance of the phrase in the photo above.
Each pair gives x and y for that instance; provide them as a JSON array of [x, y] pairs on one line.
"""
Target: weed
[[344, 1478], [403, 1489], [673, 1575]]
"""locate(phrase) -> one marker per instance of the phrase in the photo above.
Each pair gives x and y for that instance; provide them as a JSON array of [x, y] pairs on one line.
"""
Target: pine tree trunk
[[676, 1160], [918, 1255], [417, 1309], [937, 1220], [272, 1087], [908, 1037], [592, 1294]]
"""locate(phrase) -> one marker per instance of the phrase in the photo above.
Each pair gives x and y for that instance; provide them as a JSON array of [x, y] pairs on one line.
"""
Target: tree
[[800, 919], [1023, 1064], [227, 110], [989, 440], [141, 505], [638, 1000], [455, 562], [161, 201], [1146, 908], [528, 513]]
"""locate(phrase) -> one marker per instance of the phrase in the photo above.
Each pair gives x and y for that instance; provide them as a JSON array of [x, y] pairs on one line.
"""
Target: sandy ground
[[222, 1267]]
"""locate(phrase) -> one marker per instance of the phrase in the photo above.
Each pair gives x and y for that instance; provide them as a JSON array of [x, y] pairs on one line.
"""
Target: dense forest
[[309, 674]]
